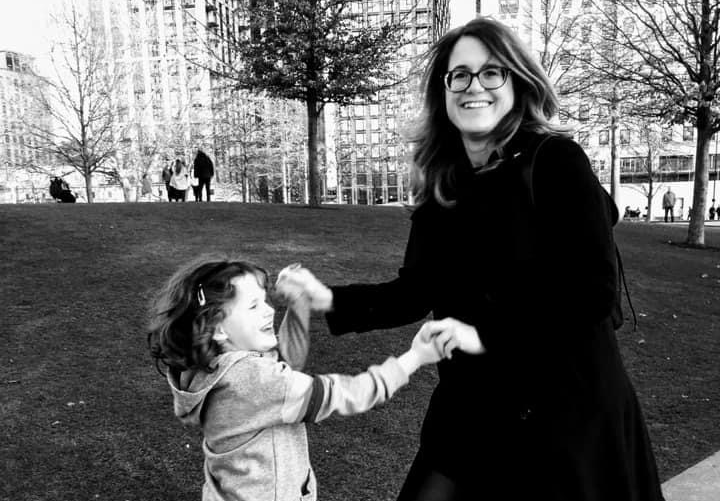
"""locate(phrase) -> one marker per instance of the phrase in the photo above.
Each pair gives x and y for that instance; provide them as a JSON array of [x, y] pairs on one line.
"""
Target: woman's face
[[476, 111]]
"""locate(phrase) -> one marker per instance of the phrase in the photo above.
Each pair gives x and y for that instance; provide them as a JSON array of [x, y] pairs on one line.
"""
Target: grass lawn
[[84, 415]]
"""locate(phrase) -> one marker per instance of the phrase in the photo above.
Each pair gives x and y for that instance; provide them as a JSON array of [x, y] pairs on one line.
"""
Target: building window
[[688, 132], [509, 6], [667, 134], [624, 136], [604, 137], [676, 163], [584, 139], [633, 165], [360, 125], [360, 138], [584, 113]]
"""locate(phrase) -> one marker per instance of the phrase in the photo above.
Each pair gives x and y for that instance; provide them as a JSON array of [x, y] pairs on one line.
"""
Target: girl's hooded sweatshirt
[[252, 411]]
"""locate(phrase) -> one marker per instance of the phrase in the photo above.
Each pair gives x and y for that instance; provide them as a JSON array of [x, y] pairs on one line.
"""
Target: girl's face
[[476, 111], [249, 320]]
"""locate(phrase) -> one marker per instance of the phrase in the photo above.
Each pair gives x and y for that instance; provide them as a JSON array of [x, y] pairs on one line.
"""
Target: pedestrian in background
[[146, 187], [180, 182], [167, 173], [669, 205], [204, 171]]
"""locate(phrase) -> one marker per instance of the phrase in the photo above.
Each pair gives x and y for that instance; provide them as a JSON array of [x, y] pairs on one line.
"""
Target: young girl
[[229, 373]]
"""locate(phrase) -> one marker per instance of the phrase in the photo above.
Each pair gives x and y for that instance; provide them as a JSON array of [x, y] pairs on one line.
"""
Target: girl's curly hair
[[181, 328]]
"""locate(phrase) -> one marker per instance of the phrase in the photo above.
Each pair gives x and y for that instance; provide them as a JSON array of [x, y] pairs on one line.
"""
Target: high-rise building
[[19, 113], [368, 144]]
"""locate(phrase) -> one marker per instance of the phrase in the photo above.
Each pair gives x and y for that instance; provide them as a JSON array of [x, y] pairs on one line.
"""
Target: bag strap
[[527, 174]]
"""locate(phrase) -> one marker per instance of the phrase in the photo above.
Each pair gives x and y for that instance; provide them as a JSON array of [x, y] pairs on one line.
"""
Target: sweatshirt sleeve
[[267, 393], [349, 395], [294, 335]]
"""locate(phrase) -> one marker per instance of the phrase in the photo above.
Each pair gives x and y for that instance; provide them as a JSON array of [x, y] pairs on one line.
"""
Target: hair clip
[[201, 296]]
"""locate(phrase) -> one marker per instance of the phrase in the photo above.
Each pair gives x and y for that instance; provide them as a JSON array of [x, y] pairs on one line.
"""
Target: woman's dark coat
[[548, 412]]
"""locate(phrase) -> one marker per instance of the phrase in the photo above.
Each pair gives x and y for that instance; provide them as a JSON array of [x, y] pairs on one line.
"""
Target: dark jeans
[[204, 181], [167, 190], [669, 210]]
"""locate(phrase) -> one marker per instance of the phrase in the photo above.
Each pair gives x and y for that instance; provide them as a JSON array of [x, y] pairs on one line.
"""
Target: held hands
[[447, 334], [436, 340], [295, 282]]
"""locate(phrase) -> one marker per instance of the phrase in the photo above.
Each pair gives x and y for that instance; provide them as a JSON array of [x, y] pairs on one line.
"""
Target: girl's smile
[[249, 322]]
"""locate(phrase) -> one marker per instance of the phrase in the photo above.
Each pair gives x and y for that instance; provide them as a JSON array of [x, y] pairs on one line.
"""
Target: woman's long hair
[[186, 311], [438, 144]]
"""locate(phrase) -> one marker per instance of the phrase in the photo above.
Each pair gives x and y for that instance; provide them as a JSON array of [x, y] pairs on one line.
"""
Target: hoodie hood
[[190, 388]]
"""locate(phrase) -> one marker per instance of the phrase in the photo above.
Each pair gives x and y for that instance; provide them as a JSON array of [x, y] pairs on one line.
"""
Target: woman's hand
[[448, 334], [295, 281]]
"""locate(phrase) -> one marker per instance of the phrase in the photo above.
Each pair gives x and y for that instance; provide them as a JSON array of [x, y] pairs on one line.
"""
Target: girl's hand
[[295, 281], [448, 334], [425, 350]]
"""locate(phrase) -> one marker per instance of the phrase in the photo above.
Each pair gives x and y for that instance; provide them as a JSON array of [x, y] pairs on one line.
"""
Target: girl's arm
[[327, 394], [294, 333]]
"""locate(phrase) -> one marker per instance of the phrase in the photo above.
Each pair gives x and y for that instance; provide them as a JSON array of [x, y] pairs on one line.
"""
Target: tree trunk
[[88, 187], [313, 174], [650, 192], [614, 167], [696, 228]]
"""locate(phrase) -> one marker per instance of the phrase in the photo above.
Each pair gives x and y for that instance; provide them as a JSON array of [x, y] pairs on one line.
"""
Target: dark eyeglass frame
[[503, 70]]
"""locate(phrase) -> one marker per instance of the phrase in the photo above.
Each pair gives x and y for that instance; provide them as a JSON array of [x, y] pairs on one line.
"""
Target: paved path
[[698, 483]]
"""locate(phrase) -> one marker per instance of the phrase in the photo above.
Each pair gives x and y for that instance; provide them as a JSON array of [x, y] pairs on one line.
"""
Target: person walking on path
[[146, 187], [180, 181], [167, 173], [204, 171], [669, 205], [546, 411]]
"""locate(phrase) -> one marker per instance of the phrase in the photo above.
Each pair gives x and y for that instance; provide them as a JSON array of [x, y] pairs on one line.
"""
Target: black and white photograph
[[360, 250]]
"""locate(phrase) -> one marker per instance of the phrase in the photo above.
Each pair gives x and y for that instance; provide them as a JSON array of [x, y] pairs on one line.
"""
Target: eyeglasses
[[490, 77]]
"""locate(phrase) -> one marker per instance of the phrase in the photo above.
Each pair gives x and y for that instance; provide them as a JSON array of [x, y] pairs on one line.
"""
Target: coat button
[[525, 414]]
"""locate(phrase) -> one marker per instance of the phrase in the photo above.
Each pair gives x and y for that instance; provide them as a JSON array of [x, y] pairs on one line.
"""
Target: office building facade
[[20, 155]]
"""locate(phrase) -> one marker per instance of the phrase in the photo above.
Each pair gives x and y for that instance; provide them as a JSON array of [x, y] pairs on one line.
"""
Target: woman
[[180, 181], [546, 410]]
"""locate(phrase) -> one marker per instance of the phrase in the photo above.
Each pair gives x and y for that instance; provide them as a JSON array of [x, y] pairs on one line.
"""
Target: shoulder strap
[[527, 174]]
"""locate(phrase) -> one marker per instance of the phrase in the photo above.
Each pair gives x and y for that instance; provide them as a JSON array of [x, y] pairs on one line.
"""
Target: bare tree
[[78, 99], [645, 175], [676, 61]]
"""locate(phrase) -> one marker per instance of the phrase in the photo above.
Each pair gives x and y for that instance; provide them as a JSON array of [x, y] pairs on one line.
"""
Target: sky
[[24, 27]]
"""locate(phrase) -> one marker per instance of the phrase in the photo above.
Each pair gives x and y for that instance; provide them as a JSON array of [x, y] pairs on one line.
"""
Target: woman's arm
[[404, 300]]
